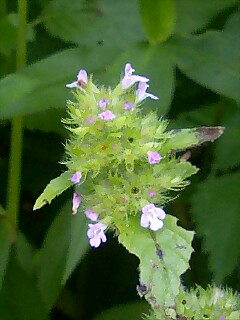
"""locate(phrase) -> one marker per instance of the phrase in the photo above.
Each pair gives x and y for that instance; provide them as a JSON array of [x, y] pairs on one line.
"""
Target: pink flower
[[76, 202], [107, 115], [96, 234], [92, 215], [141, 93], [102, 103], [152, 193], [90, 119], [82, 80], [128, 105], [128, 80], [154, 157], [152, 217], [76, 177]]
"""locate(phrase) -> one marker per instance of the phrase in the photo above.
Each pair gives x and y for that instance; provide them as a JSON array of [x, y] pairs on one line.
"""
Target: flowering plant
[[125, 167]]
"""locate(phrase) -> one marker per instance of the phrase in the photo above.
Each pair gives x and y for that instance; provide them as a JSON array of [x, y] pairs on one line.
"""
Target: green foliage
[[5, 246], [215, 207], [158, 18], [157, 253]]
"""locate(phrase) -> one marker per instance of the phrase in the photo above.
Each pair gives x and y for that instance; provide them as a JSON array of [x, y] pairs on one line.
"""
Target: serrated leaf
[[158, 18], [193, 15], [215, 208], [41, 85], [53, 189], [212, 60], [163, 255], [5, 246], [107, 23]]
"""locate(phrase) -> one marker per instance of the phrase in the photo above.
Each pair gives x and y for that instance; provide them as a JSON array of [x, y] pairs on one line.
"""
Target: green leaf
[[19, 297], [212, 60], [132, 311], [5, 246], [24, 254], [163, 255], [52, 257], [41, 86], [157, 64], [61, 253], [232, 25], [227, 151], [8, 31], [53, 189], [181, 139], [158, 18], [107, 23], [215, 208], [193, 15]]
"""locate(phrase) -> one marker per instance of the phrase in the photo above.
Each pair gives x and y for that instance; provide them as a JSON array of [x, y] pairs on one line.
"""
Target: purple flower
[[75, 202], [128, 105], [152, 193], [92, 215], [90, 119], [96, 234], [107, 115], [76, 177], [152, 217], [82, 80], [128, 80], [141, 93], [154, 157], [102, 103]]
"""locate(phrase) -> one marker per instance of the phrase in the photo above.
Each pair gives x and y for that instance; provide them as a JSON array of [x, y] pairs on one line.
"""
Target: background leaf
[[215, 208], [158, 18], [19, 297], [109, 23], [5, 246]]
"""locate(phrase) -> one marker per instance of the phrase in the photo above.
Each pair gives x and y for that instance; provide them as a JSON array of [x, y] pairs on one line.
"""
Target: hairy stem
[[14, 176]]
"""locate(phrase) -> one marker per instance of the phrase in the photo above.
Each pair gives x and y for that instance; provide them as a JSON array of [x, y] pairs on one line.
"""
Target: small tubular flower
[[128, 80], [102, 103], [76, 177], [154, 157], [152, 193], [128, 105], [107, 115], [82, 80], [96, 234], [76, 202], [152, 217], [141, 93], [92, 215]]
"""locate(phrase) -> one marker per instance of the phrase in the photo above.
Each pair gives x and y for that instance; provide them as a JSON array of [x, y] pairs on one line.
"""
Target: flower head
[[152, 217], [82, 80], [128, 80], [107, 115], [141, 93], [76, 177], [96, 234], [128, 105], [102, 103], [154, 157], [90, 119], [92, 215], [75, 202]]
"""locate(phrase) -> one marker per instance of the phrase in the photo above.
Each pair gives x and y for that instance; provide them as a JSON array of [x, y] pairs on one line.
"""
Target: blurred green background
[[190, 50]]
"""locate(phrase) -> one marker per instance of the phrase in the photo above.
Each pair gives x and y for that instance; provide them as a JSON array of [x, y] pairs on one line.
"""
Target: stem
[[3, 8], [14, 175]]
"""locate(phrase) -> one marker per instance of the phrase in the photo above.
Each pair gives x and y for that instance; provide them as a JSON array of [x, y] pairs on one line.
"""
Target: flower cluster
[[152, 217]]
